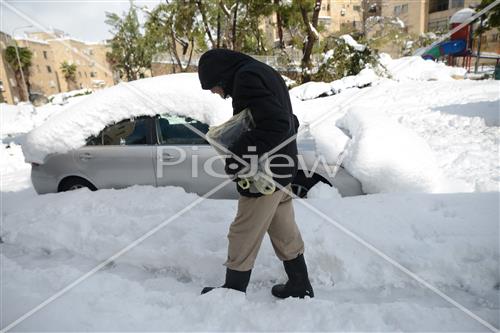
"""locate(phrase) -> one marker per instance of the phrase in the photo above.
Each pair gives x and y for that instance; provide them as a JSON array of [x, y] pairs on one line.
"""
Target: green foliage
[[173, 27], [25, 56], [129, 54], [341, 59], [492, 17], [68, 70]]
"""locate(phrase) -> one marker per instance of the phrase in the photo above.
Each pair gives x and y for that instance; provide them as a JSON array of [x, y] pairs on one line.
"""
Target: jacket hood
[[217, 67]]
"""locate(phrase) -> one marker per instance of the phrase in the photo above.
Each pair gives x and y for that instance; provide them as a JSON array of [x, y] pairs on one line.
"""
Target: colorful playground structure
[[460, 43]]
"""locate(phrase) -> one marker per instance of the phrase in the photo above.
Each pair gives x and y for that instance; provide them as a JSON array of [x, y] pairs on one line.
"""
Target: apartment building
[[50, 50], [414, 14], [92, 68], [9, 89], [346, 15], [43, 77]]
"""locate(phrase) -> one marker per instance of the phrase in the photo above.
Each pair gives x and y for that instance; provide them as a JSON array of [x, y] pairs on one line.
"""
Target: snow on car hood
[[179, 94]]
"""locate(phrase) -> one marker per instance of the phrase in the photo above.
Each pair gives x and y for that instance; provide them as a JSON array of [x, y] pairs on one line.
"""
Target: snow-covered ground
[[410, 137]]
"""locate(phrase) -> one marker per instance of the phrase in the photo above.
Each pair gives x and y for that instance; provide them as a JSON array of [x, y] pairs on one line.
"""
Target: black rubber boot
[[298, 284], [234, 280]]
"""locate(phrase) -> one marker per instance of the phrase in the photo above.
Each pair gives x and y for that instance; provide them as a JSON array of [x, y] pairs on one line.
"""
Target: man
[[256, 86]]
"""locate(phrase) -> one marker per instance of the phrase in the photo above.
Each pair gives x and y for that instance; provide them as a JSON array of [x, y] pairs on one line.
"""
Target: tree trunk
[[218, 27], [279, 25], [312, 36], [190, 55], [20, 86], [205, 23], [235, 19]]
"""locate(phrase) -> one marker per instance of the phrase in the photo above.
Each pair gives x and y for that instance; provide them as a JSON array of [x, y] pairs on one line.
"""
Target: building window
[[85, 74], [93, 74], [45, 55], [401, 9], [356, 8], [438, 5], [80, 74], [328, 7], [457, 3], [342, 12], [49, 69], [105, 74]]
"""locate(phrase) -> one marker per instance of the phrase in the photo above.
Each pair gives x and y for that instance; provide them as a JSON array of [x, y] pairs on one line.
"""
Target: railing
[[295, 58]]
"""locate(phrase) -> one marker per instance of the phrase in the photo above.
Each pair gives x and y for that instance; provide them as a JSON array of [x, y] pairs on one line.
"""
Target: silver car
[[163, 151]]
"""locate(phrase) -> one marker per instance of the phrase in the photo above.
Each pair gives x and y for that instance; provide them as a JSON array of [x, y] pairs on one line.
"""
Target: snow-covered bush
[[344, 56]]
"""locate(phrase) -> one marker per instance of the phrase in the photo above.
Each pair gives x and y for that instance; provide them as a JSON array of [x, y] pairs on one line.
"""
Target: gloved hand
[[233, 167]]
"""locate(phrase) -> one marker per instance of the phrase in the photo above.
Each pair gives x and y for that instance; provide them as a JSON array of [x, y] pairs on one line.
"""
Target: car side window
[[172, 129], [127, 132]]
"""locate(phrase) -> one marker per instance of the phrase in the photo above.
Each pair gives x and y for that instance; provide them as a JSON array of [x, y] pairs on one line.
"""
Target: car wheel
[[75, 183]]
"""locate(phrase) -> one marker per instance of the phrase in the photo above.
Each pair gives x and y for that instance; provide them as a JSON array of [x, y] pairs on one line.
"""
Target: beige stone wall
[[336, 14], [92, 69], [412, 13], [42, 75], [9, 88]]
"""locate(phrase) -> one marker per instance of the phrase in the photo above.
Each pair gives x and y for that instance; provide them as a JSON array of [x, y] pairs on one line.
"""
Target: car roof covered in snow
[[179, 94]]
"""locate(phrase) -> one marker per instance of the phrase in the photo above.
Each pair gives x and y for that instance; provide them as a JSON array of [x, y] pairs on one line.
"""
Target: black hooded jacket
[[257, 86]]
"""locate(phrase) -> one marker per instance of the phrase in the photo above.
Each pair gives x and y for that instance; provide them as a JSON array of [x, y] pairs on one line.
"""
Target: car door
[[183, 158], [120, 156]]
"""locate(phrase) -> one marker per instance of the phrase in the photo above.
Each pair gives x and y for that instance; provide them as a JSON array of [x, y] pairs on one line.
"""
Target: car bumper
[[42, 182]]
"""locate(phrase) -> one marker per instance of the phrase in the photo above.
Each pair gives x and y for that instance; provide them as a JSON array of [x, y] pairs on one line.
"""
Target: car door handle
[[85, 156], [166, 157]]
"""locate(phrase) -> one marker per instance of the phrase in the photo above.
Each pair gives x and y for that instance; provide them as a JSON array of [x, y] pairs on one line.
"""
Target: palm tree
[[69, 72], [25, 56]]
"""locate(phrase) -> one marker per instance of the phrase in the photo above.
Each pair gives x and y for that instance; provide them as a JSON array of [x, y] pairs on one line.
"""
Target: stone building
[[43, 76], [9, 89]]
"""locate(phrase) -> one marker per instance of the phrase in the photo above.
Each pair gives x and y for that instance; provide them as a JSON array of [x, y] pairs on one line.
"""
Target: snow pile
[[416, 68], [353, 43], [451, 241], [62, 98], [387, 157], [462, 15], [15, 119], [179, 94], [311, 90]]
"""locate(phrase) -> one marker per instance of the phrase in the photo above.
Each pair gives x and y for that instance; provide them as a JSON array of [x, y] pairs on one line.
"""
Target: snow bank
[[451, 241], [416, 68], [311, 90], [462, 15], [179, 94], [387, 157], [15, 119], [62, 98]]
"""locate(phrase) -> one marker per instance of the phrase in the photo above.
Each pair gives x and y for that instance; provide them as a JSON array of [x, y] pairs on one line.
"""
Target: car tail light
[[34, 164]]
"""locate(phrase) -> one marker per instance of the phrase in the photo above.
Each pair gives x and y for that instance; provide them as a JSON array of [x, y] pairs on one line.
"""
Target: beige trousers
[[269, 213]]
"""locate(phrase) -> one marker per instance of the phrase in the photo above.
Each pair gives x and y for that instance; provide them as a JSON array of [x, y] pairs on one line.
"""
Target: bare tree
[[312, 36]]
